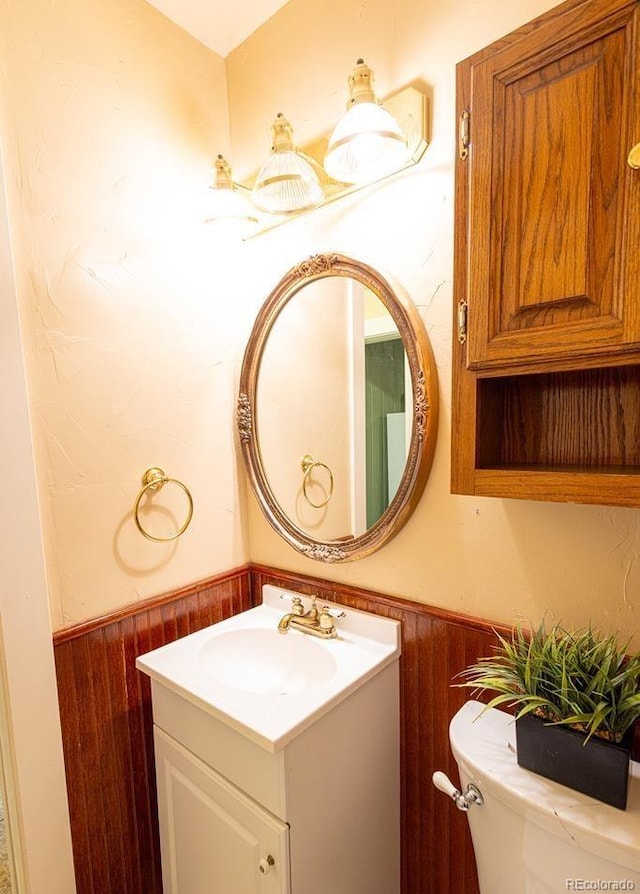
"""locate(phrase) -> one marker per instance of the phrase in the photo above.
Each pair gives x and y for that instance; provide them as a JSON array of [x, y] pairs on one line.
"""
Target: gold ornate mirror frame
[[424, 403]]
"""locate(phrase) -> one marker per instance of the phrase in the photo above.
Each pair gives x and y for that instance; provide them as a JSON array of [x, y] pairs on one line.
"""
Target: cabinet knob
[[634, 157], [265, 864]]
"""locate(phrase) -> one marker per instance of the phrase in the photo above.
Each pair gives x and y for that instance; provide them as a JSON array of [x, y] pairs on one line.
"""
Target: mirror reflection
[[337, 408], [331, 409]]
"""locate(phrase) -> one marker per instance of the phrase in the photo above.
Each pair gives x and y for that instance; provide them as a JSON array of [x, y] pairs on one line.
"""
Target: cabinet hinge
[[464, 138], [463, 309]]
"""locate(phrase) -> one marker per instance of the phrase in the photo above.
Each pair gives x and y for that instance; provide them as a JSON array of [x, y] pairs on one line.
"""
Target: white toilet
[[531, 835]]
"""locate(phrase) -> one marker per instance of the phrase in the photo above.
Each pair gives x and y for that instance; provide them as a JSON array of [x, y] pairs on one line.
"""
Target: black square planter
[[597, 768]]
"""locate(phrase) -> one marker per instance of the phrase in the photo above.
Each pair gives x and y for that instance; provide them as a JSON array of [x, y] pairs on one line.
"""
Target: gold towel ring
[[308, 464], [152, 480]]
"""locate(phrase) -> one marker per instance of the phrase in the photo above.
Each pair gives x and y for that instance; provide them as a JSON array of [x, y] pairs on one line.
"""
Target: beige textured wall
[[134, 315], [110, 118], [492, 558]]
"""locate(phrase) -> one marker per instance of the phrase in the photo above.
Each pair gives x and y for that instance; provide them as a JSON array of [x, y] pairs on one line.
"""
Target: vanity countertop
[[271, 686]]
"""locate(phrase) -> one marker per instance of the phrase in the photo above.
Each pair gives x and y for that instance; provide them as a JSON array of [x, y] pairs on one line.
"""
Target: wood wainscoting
[[107, 727], [107, 730]]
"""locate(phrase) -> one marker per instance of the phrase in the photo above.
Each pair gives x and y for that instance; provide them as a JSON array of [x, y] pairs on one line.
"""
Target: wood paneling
[[105, 709], [107, 728]]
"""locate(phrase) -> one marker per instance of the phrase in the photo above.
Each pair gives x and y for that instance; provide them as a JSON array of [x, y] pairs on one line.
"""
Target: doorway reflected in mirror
[[385, 421]]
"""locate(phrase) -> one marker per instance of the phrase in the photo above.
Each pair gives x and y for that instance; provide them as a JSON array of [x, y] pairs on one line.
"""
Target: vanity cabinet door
[[553, 268], [214, 839]]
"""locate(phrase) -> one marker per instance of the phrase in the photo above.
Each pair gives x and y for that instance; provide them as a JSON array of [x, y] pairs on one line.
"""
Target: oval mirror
[[337, 411]]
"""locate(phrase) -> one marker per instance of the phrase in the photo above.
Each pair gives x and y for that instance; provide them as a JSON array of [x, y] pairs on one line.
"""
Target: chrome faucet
[[313, 621]]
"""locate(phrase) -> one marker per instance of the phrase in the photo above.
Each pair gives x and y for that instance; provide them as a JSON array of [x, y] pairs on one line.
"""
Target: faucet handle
[[326, 617], [297, 608], [326, 609]]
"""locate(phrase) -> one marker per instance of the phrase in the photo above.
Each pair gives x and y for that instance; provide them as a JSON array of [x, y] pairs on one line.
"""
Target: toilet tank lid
[[485, 745]]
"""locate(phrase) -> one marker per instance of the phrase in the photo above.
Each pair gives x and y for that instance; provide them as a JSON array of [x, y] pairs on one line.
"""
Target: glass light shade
[[286, 182], [367, 144], [228, 204]]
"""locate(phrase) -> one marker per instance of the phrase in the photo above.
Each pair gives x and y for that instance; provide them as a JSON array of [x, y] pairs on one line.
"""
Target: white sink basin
[[270, 686], [266, 661]]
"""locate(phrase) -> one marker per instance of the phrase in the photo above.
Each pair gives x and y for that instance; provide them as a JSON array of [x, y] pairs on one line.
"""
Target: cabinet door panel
[[213, 837], [552, 118]]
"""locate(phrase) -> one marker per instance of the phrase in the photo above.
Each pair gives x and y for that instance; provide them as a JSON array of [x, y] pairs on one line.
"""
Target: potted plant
[[576, 699]]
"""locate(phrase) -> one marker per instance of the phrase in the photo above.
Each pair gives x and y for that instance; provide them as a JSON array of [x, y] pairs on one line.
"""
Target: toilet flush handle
[[471, 796]]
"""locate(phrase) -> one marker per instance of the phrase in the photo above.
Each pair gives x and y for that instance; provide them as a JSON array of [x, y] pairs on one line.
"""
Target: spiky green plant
[[571, 678]]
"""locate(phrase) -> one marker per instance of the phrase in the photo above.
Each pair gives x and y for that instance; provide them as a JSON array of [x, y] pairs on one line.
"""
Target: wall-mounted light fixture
[[369, 143], [229, 203], [286, 182]]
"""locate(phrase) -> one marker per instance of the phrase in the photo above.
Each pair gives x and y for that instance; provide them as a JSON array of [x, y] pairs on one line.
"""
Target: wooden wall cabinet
[[546, 400]]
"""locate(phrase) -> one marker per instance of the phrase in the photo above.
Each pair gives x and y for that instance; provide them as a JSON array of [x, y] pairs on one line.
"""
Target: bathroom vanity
[[277, 756]]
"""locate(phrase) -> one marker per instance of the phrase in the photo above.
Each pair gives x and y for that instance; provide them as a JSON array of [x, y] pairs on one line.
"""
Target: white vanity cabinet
[[290, 790], [213, 836]]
